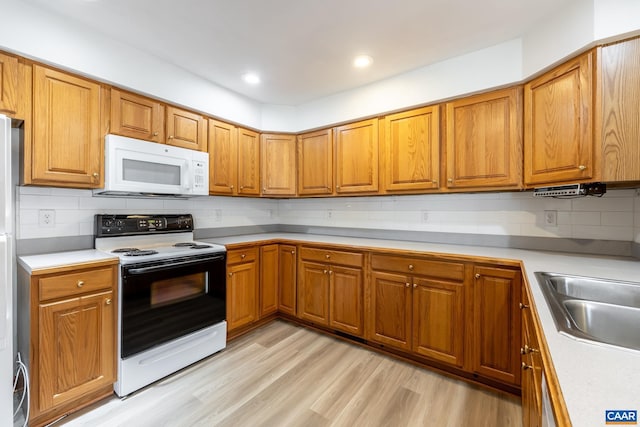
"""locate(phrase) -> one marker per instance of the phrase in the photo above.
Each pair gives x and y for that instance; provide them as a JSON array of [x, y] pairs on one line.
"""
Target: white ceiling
[[303, 49]]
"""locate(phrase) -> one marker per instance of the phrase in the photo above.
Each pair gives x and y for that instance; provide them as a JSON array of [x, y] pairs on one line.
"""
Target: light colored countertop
[[42, 263], [592, 377]]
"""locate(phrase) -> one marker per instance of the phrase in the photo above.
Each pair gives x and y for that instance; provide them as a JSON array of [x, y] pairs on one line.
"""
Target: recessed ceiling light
[[251, 78], [362, 61]]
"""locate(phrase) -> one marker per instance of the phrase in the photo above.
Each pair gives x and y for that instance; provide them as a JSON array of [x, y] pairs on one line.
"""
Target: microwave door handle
[[164, 267], [186, 185]]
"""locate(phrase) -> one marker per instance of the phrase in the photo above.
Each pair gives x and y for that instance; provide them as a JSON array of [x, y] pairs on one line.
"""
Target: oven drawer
[[66, 285], [352, 259], [242, 255]]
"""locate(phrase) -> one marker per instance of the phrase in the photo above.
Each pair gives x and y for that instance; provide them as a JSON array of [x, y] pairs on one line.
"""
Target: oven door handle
[[145, 270]]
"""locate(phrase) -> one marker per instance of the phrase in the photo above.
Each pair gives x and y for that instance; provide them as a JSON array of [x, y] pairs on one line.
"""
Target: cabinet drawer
[[353, 259], [64, 285], [422, 267], [242, 255]]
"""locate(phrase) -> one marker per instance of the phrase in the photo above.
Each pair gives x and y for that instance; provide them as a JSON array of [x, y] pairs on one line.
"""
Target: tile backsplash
[[616, 216]]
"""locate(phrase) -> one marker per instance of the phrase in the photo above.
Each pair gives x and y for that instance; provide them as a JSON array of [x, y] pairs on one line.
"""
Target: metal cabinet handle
[[264, 189], [80, 283], [324, 271], [407, 284], [170, 136], [582, 167], [330, 271], [526, 350], [108, 301], [327, 256], [231, 187], [96, 175], [523, 306], [230, 274], [243, 256], [411, 267], [450, 180], [525, 366], [242, 187], [434, 182], [415, 285], [155, 134], [293, 252], [477, 276]]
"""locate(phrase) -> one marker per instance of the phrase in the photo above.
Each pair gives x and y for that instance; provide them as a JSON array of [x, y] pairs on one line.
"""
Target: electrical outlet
[[329, 213], [46, 218], [551, 218]]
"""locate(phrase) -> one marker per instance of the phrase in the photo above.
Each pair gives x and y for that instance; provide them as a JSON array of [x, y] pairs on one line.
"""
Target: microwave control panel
[[200, 172]]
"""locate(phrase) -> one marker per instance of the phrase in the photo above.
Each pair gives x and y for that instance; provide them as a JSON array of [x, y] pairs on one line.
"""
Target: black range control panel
[[127, 225]]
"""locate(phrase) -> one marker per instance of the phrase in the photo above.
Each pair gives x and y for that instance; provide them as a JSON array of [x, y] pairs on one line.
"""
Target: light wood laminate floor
[[286, 375]]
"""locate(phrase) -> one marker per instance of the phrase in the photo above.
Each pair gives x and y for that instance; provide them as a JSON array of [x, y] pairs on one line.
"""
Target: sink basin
[[601, 290], [608, 323], [599, 310]]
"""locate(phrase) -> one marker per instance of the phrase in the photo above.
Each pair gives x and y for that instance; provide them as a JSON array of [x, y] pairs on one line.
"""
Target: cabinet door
[[67, 142], [484, 140], [248, 162], [438, 320], [356, 157], [345, 300], [242, 294], [136, 116], [313, 292], [287, 286], [411, 150], [186, 129], [268, 279], [531, 375], [558, 110], [278, 164], [390, 311], [8, 84], [76, 348], [620, 111], [496, 325], [223, 157], [315, 163]]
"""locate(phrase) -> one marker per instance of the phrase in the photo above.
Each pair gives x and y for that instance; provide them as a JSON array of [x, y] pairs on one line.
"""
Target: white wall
[[614, 17], [36, 33], [510, 214], [473, 72], [75, 210]]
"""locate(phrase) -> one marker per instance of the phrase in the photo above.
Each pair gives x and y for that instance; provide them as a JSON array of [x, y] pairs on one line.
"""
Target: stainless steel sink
[[600, 310]]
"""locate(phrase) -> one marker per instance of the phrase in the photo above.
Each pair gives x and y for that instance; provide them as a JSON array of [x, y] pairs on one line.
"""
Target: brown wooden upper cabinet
[[484, 140], [410, 142], [186, 129], [315, 163], [248, 162], [67, 142], [356, 157], [223, 158], [620, 71], [278, 164], [558, 121], [136, 116], [8, 84]]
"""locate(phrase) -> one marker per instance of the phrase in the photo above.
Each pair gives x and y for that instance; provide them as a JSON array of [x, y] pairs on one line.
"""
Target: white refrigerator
[[7, 271]]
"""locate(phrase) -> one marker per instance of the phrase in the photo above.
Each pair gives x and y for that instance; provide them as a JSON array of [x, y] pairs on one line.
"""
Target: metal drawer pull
[[243, 256], [527, 350], [108, 301], [525, 366], [80, 283], [523, 306]]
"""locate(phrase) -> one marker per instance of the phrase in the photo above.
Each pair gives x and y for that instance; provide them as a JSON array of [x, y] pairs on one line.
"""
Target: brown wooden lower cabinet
[[531, 365], [287, 290], [496, 323], [331, 289], [421, 314], [456, 313], [242, 287], [72, 350], [269, 279]]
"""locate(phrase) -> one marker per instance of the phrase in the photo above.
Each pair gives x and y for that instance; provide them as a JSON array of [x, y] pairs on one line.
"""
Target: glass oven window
[[176, 289]]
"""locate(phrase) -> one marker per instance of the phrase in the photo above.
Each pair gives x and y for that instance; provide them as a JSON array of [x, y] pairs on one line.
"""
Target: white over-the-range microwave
[[138, 168]]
